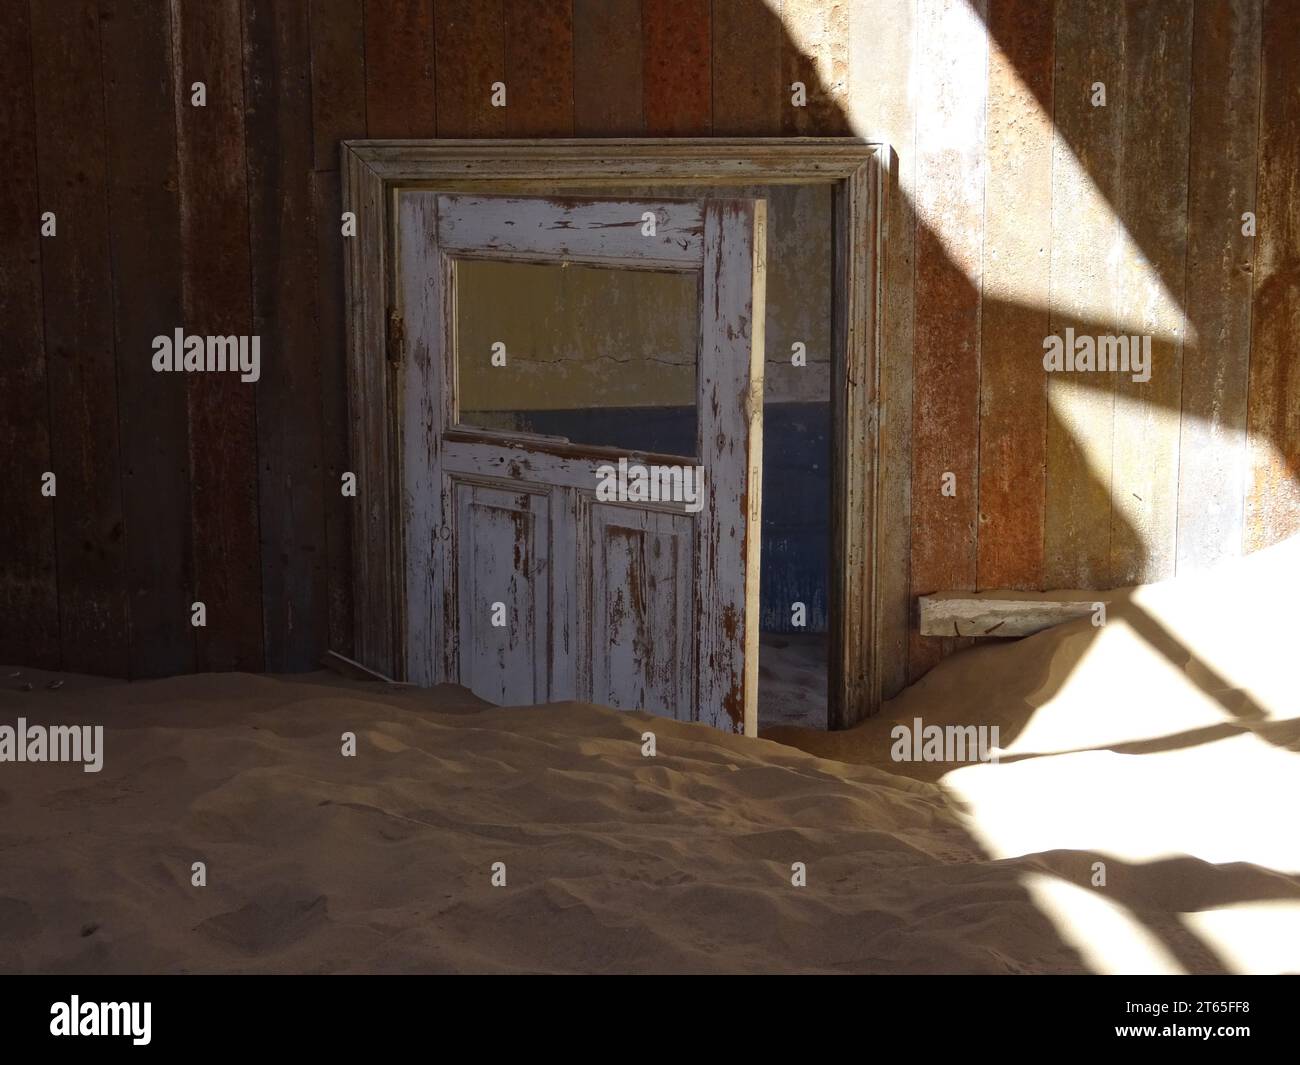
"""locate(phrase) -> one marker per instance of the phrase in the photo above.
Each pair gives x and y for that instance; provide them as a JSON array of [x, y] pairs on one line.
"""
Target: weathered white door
[[533, 572]]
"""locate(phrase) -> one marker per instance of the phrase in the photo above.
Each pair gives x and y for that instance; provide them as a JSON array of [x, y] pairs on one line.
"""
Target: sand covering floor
[[1164, 745]]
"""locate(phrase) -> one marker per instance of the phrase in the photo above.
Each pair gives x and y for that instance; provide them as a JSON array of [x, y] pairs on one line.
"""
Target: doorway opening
[[606, 357], [797, 433], [820, 523]]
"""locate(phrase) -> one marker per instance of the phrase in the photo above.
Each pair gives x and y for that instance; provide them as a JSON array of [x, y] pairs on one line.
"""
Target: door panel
[[731, 389], [503, 542], [636, 604], [641, 603]]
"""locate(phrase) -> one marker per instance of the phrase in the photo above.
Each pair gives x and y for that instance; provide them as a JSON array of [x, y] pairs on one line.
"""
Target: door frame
[[375, 172]]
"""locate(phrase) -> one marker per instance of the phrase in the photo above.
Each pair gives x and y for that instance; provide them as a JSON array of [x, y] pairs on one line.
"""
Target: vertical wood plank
[[217, 302], [1216, 356], [77, 277], [882, 83], [607, 68], [284, 271], [570, 643], [145, 235], [676, 48], [398, 55], [854, 689], [1014, 318], [731, 406], [1273, 419], [378, 575], [749, 97], [399, 68], [950, 201], [339, 509], [425, 505], [539, 58], [816, 52], [1153, 195], [503, 555], [471, 57], [1086, 233], [338, 77], [642, 609], [29, 605]]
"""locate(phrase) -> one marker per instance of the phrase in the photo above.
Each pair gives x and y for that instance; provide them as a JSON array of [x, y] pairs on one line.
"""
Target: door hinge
[[396, 336]]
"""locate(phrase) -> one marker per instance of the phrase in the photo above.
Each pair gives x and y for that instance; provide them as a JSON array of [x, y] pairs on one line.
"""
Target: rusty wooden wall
[[1025, 209], [1021, 209]]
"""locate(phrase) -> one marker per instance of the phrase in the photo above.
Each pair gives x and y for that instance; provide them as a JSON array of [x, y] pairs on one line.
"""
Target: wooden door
[[533, 574]]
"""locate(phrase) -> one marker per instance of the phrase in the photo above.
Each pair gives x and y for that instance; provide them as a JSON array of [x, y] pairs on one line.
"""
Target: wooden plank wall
[[1016, 208], [215, 270], [1117, 219], [153, 417], [952, 62], [72, 180], [1273, 403], [29, 605]]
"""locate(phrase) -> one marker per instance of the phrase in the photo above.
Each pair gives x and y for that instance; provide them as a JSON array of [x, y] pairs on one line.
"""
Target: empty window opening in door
[[582, 353]]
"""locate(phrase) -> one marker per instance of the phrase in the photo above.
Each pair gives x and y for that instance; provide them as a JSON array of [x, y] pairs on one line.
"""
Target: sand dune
[[1164, 745], [614, 861]]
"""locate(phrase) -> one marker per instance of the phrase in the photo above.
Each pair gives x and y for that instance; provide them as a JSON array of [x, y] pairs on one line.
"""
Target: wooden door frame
[[374, 174]]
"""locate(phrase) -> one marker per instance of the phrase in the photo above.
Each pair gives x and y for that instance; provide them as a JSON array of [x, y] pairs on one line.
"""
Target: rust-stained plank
[[503, 553], [1216, 354], [67, 75], [1013, 316], [950, 199], [471, 58], [1153, 195], [145, 234], [641, 563], [676, 47], [399, 68], [607, 68], [1273, 419], [816, 53], [539, 58], [29, 605], [750, 97], [217, 302], [423, 505], [731, 440], [284, 273], [338, 78], [1086, 235], [882, 74]]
